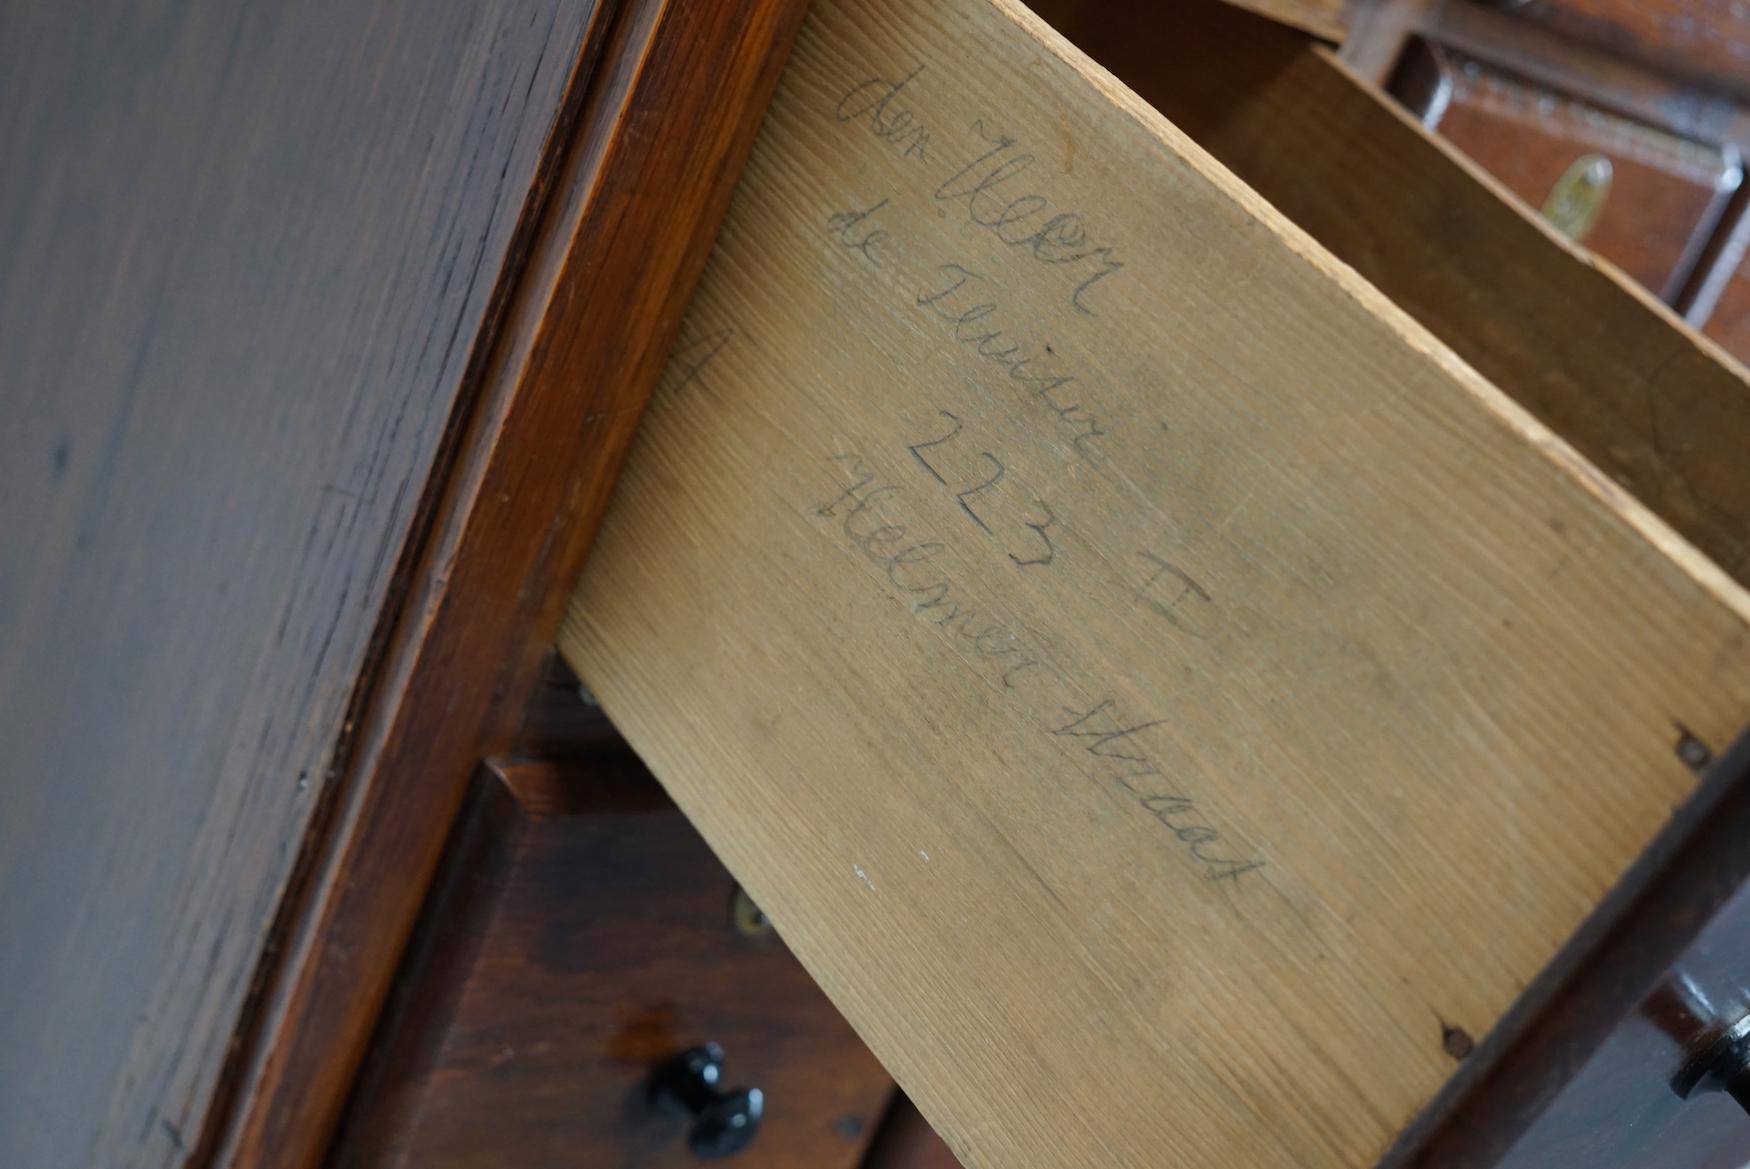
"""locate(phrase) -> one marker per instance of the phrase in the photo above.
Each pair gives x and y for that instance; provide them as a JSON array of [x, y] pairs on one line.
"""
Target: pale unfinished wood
[[1176, 797]]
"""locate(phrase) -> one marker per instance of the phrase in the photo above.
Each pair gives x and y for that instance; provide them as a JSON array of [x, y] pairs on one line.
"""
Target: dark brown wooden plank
[[582, 934], [668, 119], [246, 252], [1322, 18], [906, 1141]]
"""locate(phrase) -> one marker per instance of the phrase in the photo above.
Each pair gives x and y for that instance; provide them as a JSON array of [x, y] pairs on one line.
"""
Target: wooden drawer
[[1645, 199], [1229, 819], [1571, 342], [583, 934], [578, 939]]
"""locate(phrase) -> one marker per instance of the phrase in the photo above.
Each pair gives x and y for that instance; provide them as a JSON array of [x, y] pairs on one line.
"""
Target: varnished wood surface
[[1173, 712], [1628, 70], [1704, 39], [246, 253], [1664, 194], [1589, 354], [583, 935], [668, 117]]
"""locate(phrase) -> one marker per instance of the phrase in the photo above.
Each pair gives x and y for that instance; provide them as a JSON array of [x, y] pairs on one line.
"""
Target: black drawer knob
[[1723, 1067], [1718, 1049], [723, 1122]]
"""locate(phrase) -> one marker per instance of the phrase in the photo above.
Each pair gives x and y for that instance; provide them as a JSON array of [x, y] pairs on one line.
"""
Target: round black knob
[[1719, 1051], [723, 1122], [1723, 1067]]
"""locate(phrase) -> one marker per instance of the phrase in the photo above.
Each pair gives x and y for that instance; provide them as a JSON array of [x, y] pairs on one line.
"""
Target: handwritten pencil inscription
[[911, 566], [985, 483], [876, 103], [691, 358], [855, 229], [985, 189], [1034, 514]]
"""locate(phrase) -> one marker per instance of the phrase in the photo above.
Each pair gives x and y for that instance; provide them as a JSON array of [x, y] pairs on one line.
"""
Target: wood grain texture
[[582, 936], [1615, 374], [670, 112], [1164, 708], [1586, 1077], [246, 253]]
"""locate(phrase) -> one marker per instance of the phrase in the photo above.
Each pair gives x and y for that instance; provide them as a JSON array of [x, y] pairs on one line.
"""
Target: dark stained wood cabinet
[[906, 1141], [324, 329], [249, 255], [578, 935], [582, 934], [323, 332], [636, 194], [1604, 1045], [1722, 296], [1617, 1109]]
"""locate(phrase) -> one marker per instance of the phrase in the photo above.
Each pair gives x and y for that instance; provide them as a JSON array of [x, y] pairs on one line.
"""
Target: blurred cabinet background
[[1625, 123]]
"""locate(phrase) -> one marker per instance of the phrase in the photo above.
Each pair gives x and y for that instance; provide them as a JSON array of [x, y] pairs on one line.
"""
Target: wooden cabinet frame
[[626, 218]]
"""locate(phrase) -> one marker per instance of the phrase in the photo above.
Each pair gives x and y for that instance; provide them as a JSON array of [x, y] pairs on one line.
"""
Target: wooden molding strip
[[1171, 703], [669, 115]]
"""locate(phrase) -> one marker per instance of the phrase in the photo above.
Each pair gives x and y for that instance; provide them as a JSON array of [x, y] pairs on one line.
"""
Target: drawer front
[[1705, 39], [583, 935], [1642, 198]]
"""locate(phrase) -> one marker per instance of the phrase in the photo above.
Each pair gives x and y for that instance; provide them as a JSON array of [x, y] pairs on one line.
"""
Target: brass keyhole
[[1577, 200]]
